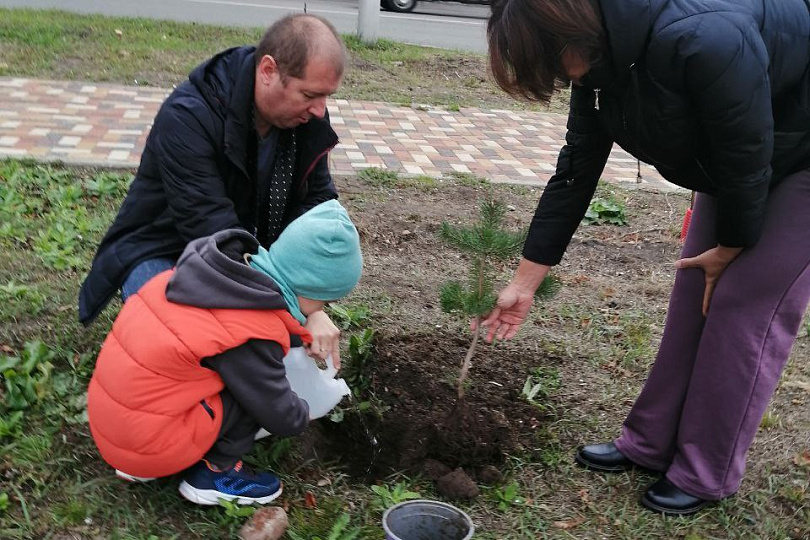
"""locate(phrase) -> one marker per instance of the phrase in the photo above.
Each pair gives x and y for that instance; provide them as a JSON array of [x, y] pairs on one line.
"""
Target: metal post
[[368, 21]]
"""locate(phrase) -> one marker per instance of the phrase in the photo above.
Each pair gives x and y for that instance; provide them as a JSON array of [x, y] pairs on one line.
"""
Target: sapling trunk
[[465, 365], [486, 242], [480, 267]]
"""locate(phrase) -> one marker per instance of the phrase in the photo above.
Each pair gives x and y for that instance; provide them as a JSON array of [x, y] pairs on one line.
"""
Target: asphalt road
[[446, 25]]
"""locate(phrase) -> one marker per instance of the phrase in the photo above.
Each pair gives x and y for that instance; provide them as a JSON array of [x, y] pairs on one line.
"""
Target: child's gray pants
[[236, 435]]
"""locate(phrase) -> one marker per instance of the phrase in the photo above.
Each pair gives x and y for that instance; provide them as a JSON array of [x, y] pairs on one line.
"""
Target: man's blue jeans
[[142, 273]]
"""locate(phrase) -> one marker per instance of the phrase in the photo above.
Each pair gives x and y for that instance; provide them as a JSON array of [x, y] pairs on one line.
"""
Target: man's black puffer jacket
[[714, 93], [198, 175]]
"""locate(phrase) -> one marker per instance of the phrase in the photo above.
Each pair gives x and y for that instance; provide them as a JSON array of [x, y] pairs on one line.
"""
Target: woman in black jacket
[[716, 95]]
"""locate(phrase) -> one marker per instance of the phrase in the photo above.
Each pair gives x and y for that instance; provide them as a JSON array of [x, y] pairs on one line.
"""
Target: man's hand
[[713, 262], [325, 337], [510, 312]]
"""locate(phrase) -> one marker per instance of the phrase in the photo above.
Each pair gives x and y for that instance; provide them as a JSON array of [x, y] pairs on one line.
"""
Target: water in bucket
[[426, 520]]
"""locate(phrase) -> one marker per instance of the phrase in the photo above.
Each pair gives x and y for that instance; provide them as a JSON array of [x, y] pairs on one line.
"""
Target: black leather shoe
[[668, 499], [603, 457]]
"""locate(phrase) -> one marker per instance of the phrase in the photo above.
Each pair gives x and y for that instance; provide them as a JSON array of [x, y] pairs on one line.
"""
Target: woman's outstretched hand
[[509, 314], [713, 263]]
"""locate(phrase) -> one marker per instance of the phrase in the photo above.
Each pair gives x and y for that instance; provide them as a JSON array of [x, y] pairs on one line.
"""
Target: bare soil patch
[[419, 349], [425, 421], [599, 334]]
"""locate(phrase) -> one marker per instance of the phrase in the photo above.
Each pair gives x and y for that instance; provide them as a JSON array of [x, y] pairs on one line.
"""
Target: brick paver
[[103, 124]]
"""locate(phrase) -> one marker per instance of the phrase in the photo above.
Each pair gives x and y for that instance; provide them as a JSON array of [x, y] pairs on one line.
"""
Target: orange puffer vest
[[153, 409]]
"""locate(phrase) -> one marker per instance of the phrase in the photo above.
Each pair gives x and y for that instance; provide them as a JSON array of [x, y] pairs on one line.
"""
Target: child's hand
[[325, 337]]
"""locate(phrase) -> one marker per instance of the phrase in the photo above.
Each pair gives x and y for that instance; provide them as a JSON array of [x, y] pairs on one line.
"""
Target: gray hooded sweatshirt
[[212, 273]]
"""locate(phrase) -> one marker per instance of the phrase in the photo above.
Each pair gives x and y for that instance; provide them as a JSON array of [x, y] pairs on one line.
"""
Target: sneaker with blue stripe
[[205, 484]]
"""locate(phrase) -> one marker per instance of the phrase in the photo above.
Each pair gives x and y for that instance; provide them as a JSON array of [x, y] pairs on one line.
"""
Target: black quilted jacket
[[714, 93], [198, 175]]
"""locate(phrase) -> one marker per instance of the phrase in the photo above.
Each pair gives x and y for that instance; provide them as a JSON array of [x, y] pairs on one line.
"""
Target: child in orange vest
[[192, 368]]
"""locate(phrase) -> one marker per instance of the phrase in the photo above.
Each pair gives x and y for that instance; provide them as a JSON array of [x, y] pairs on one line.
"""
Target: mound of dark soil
[[415, 377]]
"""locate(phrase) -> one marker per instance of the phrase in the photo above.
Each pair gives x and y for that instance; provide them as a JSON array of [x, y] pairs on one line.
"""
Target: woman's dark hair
[[527, 38]]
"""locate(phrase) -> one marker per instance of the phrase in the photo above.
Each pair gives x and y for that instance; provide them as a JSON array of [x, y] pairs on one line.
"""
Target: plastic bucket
[[426, 520]]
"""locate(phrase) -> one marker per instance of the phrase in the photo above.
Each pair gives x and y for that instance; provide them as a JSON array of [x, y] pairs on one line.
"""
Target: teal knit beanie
[[317, 256]]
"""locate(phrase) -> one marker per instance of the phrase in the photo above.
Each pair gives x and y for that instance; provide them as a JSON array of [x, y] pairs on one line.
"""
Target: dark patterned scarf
[[271, 222]]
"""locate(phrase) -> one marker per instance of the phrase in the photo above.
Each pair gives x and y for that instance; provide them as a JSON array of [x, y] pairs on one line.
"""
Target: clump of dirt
[[457, 485], [425, 427]]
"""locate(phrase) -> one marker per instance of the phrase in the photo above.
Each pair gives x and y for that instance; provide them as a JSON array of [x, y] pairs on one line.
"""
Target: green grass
[[53, 479], [385, 51], [469, 179], [54, 485], [617, 340], [421, 182], [58, 45], [387, 178], [378, 177]]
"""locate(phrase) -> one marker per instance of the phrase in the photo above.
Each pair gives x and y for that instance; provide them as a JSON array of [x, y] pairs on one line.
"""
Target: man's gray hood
[[211, 273]]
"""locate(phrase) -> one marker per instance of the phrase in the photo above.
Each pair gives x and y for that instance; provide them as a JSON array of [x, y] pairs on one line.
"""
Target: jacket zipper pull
[[596, 103]]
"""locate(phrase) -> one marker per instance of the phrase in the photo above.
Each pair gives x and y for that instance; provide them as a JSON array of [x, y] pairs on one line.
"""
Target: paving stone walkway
[[104, 124]]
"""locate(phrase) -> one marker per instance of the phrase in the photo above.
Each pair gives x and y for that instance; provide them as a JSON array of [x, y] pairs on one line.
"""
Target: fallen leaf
[[802, 459], [584, 322], [570, 524], [309, 500], [583, 496], [580, 279], [632, 238]]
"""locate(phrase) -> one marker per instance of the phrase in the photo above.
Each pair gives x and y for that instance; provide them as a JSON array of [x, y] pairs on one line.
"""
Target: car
[[404, 6]]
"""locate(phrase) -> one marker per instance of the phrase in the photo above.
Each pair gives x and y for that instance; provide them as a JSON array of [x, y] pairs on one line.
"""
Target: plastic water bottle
[[318, 387]]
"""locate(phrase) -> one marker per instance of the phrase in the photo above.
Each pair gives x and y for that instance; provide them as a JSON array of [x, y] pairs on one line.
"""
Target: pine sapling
[[486, 242]]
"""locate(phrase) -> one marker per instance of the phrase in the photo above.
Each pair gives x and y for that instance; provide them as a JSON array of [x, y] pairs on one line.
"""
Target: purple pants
[[713, 377]]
